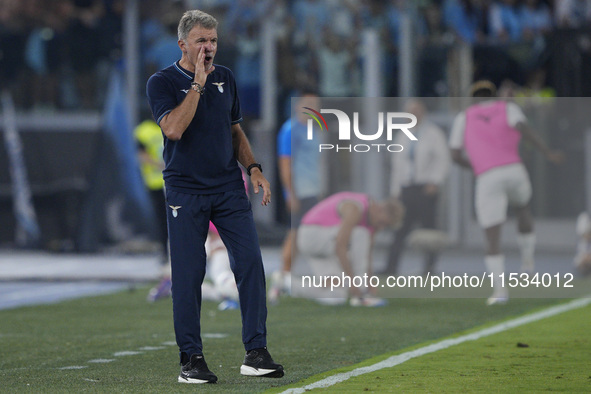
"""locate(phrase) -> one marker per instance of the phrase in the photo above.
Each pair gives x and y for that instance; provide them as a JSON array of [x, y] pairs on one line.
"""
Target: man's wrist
[[253, 166], [196, 86]]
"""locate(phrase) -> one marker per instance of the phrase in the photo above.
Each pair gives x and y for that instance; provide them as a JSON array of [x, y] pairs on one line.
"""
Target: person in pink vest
[[485, 138], [336, 238]]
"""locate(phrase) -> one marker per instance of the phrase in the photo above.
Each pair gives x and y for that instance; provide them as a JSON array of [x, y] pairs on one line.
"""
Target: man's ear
[[182, 45]]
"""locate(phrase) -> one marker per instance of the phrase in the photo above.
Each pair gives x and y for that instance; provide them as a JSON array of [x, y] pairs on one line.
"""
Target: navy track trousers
[[188, 223]]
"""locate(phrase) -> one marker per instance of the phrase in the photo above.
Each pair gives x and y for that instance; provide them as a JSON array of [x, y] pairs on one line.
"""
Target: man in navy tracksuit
[[196, 105]]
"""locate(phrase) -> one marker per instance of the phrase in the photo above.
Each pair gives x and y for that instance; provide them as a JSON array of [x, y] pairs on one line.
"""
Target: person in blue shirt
[[505, 21], [195, 103], [299, 170], [465, 18]]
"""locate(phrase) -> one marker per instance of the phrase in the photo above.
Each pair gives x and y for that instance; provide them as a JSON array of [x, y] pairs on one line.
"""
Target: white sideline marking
[[149, 348], [401, 358], [121, 354], [214, 335], [126, 353], [101, 360]]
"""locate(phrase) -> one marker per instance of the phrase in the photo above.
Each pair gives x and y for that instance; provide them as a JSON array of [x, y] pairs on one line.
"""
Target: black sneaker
[[258, 362], [196, 371]]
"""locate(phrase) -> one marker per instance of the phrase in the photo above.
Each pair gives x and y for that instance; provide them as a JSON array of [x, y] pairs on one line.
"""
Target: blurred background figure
[[536, 18], [466, 20], [572, 13], [220, 285], [336, 237], [583, 257], [84, 49], [244, 29], [338, 75], [150, 146], [159, 35], [418, 173], [489, 132], [300, 174], [505, 21]]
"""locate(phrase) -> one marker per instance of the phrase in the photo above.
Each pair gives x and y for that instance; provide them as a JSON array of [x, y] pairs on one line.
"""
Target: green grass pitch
[[64, 347], [553, 354]]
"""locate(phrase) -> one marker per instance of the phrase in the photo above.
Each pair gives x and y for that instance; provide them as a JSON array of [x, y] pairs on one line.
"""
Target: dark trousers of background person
[[421, 212]]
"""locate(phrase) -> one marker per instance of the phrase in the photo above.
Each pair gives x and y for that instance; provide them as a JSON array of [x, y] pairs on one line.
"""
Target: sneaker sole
[[194, 381], [267, 373]]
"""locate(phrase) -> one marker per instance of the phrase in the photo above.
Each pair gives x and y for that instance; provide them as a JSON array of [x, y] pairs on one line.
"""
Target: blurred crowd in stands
[[56, 54]]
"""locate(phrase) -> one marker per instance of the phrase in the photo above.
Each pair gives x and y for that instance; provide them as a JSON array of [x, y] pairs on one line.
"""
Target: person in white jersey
[[485, 138]]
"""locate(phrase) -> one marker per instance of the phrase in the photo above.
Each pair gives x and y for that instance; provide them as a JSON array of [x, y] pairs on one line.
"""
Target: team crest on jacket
[[175, 209], [219, 85]]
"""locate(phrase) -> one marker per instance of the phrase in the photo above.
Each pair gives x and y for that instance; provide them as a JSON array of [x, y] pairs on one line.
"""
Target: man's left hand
[[258, 180]]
